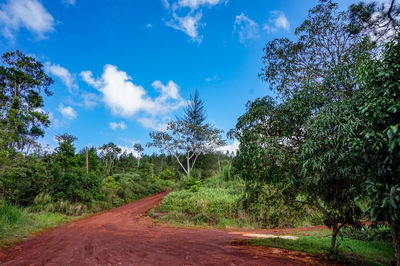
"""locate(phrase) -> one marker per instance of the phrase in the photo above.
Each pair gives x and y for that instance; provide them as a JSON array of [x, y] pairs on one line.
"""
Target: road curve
[[123, 237]]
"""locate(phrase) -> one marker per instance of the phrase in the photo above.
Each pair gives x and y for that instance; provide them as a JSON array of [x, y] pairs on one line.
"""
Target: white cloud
[[90, 100], [188, 21], [28, 14], [66, 77], [67, 112], [246, 28], [69, 2], [195, 4], [215, 77], [277, 21], [234, 147], [87, 76], [165, 4], [188, 24], [153, 123], [128, 150], [149, 25], [126, 99], [115, 125]]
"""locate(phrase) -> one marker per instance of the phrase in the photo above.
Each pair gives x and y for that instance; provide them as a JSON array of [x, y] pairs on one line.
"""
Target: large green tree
[[379, 142], [299, 142], [22, 81], [189, 136]]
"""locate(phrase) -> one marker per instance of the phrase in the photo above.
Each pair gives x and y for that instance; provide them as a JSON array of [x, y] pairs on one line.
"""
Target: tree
[[188, 136], [139, 149], [22, 79], [380, 23], [65, 152], [194, 112], [109, 153], [325, 56], [379, 142], [299, 143]]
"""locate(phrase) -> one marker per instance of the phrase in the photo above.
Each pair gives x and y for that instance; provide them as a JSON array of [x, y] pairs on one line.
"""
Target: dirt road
[[123, 236]]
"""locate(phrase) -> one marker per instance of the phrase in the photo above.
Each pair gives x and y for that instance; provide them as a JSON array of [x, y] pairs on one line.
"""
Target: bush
[[368, 233], [9, 214], [227, 204], [269, 210], [211, 205], [196, 174], [23, 180], [75, 185], [192, 184], [166, 174]]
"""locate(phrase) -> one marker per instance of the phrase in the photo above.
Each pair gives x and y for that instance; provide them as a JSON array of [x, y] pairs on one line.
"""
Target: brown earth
[[123, 236]]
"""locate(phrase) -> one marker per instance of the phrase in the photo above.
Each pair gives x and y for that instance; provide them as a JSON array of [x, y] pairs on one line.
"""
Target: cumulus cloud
[[126, 99], [115, 125], [62, 73], [28, 14], [128, 150], [185, 15], [246, 28], [87, 76], [277, 21], [234, 147], [67, 112]]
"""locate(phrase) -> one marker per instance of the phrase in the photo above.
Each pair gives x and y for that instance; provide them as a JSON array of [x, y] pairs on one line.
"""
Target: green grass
[[218, 203], [350, 251], [17, 224]]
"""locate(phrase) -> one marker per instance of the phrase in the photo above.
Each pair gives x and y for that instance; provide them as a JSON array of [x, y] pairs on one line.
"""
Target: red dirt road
[[123, 237]]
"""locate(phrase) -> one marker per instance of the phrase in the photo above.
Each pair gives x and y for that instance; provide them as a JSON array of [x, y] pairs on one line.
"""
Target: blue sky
[[123, 68]]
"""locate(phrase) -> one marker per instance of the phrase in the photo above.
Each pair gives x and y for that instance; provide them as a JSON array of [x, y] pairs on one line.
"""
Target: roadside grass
[[219, 203], [17, 224], [376, 252]]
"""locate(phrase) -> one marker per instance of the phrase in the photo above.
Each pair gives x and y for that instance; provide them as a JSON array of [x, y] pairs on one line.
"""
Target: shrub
[[196, 173], [214, 204], [10, 214], [192, 184], [76, 185], [368, 233], [166, 174]]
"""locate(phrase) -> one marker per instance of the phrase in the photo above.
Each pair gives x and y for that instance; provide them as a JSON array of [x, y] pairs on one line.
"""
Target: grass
[[17, 224], [349, 250], [219, 203]]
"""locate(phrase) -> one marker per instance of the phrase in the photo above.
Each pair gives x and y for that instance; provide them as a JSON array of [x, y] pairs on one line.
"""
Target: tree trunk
[[395, 231], [188, 165], [335, 230]]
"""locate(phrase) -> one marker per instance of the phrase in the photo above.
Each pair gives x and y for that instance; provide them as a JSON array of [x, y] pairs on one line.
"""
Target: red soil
[[123, 236]]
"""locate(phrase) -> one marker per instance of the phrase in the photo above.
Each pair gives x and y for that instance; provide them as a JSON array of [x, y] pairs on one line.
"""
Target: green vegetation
[[326, 149], [223, 203], [41, 188], [331, 135], [18, 223], [189, 136], [375, 252]]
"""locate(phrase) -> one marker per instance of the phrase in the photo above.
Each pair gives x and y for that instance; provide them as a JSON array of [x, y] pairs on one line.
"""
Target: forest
[[325, 150]]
